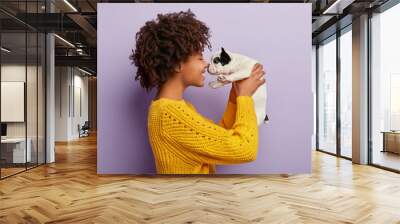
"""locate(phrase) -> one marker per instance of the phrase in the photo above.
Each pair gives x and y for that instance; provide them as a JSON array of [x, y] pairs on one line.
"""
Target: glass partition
[[22, 78]]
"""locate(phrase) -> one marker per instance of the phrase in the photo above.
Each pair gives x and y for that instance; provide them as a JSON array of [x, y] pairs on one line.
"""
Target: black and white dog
[[230, 67]]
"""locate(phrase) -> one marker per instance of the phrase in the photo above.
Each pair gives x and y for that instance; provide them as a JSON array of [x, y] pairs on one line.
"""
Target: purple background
[[277, 35]]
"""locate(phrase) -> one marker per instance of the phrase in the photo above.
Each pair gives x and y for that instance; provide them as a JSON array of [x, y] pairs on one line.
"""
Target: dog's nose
[[208, 68]]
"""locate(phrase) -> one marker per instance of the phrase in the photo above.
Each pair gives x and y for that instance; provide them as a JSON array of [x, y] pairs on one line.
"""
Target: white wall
[[79, 117], [70, 83], [62, 81]]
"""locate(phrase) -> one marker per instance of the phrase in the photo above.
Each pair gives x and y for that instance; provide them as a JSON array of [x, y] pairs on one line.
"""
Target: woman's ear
[[178, 68]]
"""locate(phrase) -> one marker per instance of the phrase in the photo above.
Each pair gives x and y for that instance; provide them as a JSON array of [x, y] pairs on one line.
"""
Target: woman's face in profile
[[193, 70]]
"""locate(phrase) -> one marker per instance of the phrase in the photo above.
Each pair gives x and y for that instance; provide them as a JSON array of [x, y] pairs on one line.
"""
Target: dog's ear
[[223, 53], [224, 57], [223, 50]]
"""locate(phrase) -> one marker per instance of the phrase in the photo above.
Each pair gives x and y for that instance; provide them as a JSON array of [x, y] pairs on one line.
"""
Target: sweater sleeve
[[228, 119], [209, 142]]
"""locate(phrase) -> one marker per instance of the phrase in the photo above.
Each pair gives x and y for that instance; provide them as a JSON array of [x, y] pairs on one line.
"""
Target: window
[[327, 96], [346, 93], [385, 88]]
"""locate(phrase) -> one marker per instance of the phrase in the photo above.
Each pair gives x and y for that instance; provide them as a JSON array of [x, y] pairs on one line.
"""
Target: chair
[[84, 130]]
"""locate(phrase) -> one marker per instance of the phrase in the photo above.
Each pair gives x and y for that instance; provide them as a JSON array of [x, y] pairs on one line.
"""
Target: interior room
[[60, 156]]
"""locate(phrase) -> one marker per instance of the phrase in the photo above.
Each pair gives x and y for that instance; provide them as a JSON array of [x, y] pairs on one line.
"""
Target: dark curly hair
[[162, 44]]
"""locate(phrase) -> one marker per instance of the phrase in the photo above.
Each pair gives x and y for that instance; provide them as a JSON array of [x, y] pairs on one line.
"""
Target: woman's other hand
[[247, 87]]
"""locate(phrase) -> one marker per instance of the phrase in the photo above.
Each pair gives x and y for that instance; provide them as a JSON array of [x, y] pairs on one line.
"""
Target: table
[[391, 141], [13, 150]]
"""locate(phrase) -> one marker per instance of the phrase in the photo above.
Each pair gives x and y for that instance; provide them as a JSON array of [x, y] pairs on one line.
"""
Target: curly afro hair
[[162, 44]]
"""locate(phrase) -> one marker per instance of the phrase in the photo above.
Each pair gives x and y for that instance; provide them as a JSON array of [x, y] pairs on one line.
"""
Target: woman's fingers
[[258, 75], [260, 78], [256, 71], [256, 66], [262, 81]]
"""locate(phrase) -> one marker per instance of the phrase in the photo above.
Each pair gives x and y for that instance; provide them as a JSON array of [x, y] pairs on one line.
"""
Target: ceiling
[[76, 22]]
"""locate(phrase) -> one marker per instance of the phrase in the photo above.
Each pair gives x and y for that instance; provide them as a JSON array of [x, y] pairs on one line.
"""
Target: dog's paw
[[215, 84], [223, 80]]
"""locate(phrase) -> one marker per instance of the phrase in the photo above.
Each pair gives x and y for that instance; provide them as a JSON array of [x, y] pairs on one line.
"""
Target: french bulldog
[[230, 67]]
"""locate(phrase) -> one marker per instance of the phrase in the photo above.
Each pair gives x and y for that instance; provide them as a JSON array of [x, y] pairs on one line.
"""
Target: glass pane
[[327, 96], [314, 87], [386, 89], [31, 100], [41, 98], [13, 86], [346, 93]]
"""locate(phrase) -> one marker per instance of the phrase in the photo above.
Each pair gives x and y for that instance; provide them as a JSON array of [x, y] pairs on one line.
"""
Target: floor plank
[[70, 191]]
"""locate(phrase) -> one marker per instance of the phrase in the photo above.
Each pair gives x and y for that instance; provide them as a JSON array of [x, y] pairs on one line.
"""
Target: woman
[[169, 57]]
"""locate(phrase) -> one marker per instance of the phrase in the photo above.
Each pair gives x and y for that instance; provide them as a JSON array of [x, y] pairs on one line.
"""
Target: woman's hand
[[248, 86]]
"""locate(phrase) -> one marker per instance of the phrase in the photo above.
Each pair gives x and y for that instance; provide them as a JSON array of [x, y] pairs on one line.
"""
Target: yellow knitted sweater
[[185, 142]]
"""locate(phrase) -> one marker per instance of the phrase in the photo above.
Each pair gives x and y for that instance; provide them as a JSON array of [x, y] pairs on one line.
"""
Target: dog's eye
[[216, 60]]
